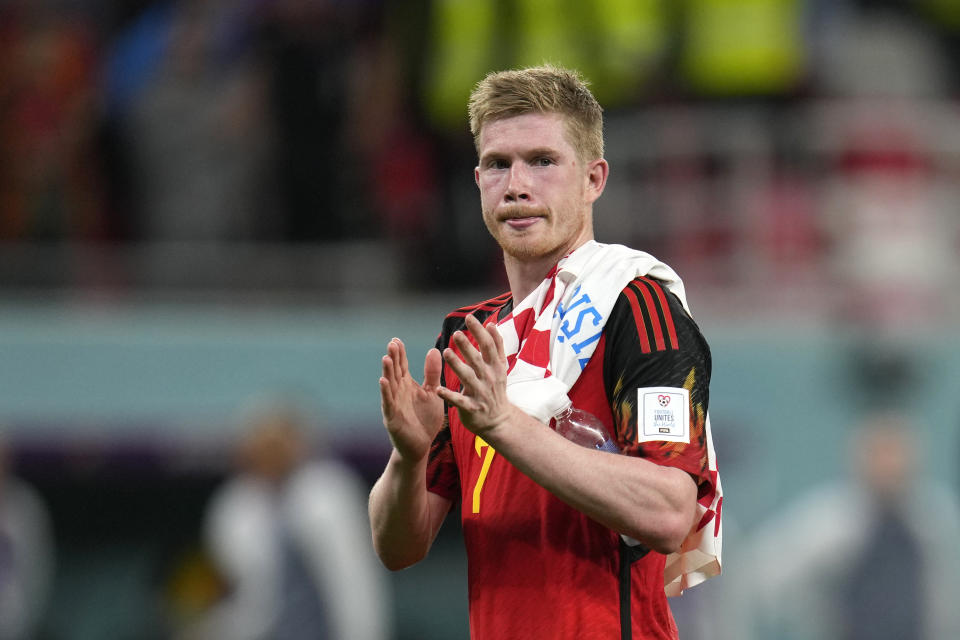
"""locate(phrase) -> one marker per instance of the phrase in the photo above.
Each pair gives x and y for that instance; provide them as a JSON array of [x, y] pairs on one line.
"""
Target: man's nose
[[518, 186]]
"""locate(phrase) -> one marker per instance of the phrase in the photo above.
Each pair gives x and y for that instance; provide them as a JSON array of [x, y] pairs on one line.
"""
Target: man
[[27, 557], [873, 554], [286, 533], [563, 541]]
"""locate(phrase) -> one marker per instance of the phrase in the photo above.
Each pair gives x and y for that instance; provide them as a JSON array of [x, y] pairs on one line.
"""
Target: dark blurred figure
[[404, 188], [307, 48], [26, 555], [290, 538], [887, 575], [50, 186], [187, 87], [874, 556]]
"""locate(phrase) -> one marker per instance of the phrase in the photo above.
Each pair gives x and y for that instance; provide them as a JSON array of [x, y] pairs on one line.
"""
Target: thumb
[[432, 366]]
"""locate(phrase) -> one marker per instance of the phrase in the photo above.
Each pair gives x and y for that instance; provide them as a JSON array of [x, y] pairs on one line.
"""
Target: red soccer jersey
[[538, 568]]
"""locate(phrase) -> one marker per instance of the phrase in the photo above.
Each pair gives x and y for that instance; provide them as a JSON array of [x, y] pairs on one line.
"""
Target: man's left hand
[[482, 400]]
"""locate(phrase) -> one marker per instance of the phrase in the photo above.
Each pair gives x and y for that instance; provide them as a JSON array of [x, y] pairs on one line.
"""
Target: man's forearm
[[400, 514], [632, 496]]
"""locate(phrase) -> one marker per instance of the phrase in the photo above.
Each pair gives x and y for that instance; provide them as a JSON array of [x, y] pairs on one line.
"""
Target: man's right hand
[[412, 412]]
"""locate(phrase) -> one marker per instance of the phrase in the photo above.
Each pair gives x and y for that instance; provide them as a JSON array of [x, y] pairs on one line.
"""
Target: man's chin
[[525, 249]]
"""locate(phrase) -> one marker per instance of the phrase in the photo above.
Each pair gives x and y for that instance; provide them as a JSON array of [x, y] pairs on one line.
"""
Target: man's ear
[[476, 175], [597, 172]]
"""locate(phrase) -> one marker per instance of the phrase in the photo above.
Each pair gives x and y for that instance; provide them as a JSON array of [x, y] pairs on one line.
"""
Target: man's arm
[[652, 503], [638, 498], [404, 516]]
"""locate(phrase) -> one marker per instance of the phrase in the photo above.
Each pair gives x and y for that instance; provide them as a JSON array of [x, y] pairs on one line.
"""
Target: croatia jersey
[[537, 568]]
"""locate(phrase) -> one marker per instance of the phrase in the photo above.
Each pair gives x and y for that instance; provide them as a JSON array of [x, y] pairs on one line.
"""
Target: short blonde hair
[[544, 89]]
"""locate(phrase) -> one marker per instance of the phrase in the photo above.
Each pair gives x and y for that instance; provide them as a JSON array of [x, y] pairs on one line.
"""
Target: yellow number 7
[[479, 444]]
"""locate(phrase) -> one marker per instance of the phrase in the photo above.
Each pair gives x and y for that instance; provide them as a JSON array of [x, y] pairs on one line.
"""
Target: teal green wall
[[782, 404]]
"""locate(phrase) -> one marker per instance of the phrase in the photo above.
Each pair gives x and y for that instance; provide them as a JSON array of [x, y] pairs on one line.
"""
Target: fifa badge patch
[[664, 414]]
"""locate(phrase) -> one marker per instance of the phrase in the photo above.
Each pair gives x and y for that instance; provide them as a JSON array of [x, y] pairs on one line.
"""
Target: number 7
[[479, 444]]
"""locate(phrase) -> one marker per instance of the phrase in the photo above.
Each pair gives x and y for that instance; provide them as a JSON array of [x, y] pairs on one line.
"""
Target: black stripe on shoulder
[[456, 320], [660, 307], [487, 305]]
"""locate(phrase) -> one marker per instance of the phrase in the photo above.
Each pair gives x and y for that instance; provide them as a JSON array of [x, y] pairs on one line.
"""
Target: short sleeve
[[657, 369], [442, 476]]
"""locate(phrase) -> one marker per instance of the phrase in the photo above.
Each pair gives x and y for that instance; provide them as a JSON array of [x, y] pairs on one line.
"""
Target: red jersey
[[537, 568]]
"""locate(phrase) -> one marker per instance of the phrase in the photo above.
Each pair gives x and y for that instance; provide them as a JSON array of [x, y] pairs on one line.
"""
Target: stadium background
[[201, 202]]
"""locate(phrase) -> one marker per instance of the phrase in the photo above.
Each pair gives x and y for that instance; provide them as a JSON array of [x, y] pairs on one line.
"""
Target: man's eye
[[543, 162], [497, 164]]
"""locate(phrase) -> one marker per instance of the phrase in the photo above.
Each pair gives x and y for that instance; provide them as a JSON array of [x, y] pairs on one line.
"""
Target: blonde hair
[[544, 89]]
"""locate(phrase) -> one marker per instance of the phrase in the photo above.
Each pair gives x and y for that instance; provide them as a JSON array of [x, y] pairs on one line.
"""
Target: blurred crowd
[[806, 151], [869, 553], [279, 549], [283, 552], [772, 141]]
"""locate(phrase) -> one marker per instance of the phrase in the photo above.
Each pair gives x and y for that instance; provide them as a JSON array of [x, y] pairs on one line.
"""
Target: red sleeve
[[442, 476]]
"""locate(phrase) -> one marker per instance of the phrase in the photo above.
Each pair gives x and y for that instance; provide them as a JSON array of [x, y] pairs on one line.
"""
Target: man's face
[[536, 195]]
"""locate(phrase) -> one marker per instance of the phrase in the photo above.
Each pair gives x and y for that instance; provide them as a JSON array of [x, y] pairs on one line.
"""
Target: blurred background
[[207, 203]]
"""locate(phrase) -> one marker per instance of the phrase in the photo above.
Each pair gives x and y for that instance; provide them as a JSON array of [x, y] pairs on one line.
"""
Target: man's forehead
[[535, 129]]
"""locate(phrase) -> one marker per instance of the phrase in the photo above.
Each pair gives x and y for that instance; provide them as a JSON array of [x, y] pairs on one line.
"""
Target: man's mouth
[[517, 218], [522, 223]]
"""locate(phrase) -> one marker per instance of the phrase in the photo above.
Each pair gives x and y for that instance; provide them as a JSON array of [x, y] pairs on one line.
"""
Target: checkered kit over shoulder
[[549, 338]]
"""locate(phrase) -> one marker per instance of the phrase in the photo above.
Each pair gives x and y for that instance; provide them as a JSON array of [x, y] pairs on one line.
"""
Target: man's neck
[[525, 275]]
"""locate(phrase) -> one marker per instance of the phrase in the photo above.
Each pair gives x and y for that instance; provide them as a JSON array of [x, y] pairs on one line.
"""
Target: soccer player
[[563, 541]]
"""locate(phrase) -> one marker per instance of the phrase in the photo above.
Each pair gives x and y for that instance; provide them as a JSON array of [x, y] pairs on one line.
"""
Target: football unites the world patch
[[664, 414]]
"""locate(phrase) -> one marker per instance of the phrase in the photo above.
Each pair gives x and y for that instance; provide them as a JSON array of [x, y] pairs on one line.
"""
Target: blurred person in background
[[308, 50], [873, 556], [50, 185], [26, 554], [289, 537], [562, 541], [196, 124]]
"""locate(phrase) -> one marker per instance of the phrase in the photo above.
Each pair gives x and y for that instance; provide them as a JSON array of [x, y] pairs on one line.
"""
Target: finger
[[468, 377], [395, 352], [473, 324], [389, 359], [479, 332], [494, 333], [489, 342], [457, 399], [386, 399], [468, 352], [402, 352], [492, 346], [432, 367], [390, 376], [388, 369]]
